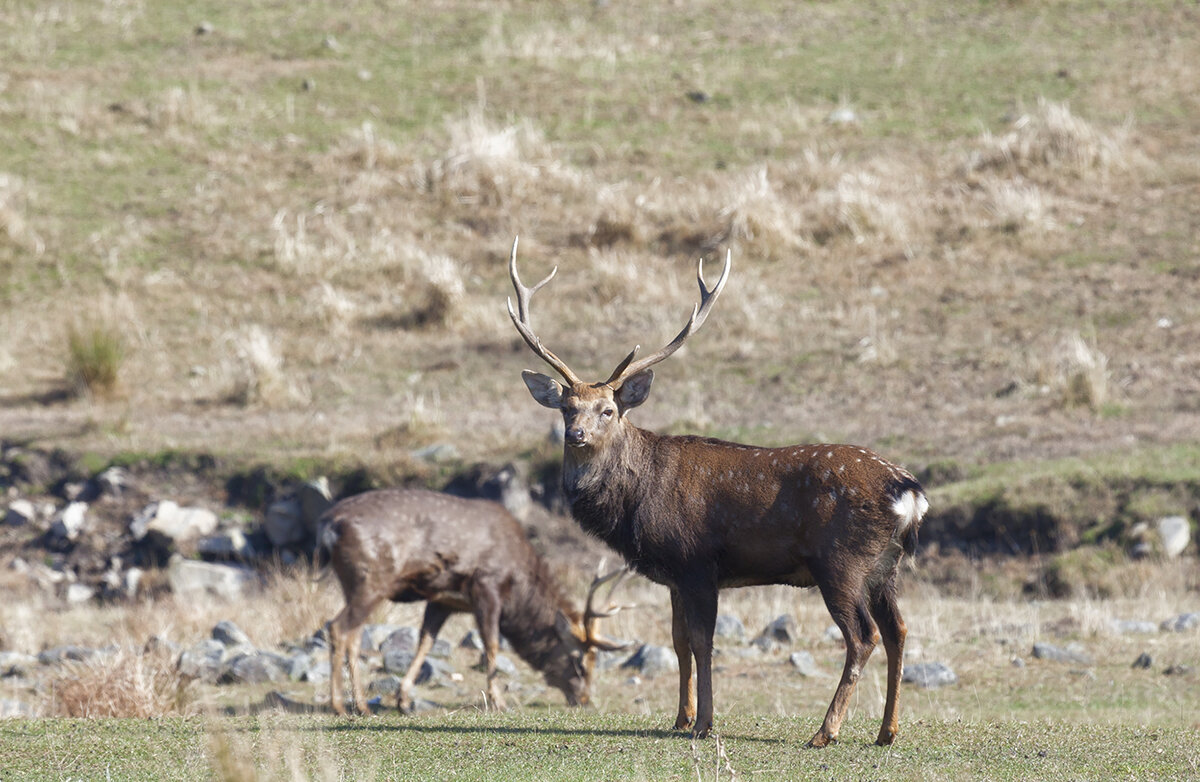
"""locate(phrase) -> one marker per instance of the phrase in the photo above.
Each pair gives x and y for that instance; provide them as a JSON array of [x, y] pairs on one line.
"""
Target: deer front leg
[[337, 658], [683, 650], [431, 624], [486, 603], [700, 614]]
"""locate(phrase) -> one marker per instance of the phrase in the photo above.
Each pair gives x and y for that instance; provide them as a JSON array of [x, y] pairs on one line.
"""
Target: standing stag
[[459, 555], [698, 515]]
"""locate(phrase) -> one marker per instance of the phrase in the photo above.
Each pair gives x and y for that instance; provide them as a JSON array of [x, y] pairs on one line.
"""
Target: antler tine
[[708, 297], [520, 317], [616, 577]]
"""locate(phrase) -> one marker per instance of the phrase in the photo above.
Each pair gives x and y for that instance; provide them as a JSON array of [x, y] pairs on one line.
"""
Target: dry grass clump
[[1078, 372], [491, 165], [14, 228], [120, 684], [259, 376], [1053, 140], [94, 357]]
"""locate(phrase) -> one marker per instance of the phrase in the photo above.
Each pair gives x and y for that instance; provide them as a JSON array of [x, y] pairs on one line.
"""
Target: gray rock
[[398, 649], [279, 702], [833, 633], [14, 709], [730, 628], [804, 664], [438, 453], [1174, 534], [67, 653], [172, 522], [373, 636], [1178, 670], [204, 661], [230, 634], [70, 521], [318, 671], [193, 579], [16, 664], [930, 675], [113, 481], [782, 629], [471, 640], [441, 649], [384, 685], [1071, 653], [229, 544], [650, 660], [20, 512], [284, 523], [79, 593], [1131, 626], [505, 665], [1182, 622], [256, 668]]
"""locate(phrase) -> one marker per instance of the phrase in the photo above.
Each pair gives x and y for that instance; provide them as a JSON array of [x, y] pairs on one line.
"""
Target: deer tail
[[909, 505]]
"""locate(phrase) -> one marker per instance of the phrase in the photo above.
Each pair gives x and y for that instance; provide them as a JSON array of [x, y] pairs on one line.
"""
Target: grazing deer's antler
[[592, 615], [520, 318], [628, 367]]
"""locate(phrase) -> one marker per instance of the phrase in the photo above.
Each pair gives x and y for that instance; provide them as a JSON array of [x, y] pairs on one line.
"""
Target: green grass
[[580, 746]]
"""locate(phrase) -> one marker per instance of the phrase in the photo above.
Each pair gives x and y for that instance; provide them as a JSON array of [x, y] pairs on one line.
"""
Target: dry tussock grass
[[122, 684], [1052, 141]]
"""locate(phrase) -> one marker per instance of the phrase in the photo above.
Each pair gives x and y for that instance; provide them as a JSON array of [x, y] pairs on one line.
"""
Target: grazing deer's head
[[572, 670], [594, 412]]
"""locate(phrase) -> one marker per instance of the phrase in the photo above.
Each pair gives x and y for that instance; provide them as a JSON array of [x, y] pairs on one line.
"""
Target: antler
[[628, 367], [592, 617], [520, 318]]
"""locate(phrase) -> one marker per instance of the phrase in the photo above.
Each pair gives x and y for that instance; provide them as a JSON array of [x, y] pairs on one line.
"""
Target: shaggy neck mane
[[602, 487]]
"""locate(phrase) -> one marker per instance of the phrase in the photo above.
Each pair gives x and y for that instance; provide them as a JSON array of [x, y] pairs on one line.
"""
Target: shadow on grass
[[503, 730]]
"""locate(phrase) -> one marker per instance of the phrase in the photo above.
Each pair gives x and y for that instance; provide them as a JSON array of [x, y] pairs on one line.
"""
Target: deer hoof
[[886, 737], [821, 740], [683, 722], [701, 733]]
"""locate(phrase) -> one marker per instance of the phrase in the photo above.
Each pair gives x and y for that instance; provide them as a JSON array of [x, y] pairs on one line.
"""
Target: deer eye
[[606, 412]]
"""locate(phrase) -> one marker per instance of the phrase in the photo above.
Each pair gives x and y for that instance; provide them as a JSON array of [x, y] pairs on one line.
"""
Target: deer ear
[[635, 390], [546, 390]]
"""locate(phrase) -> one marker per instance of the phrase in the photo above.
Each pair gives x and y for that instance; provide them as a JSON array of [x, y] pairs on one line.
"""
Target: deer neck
[[603, 486], [527, 619]]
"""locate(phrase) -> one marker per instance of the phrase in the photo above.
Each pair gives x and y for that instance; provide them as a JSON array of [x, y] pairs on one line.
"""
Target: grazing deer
[[698, 515], [459, 555]]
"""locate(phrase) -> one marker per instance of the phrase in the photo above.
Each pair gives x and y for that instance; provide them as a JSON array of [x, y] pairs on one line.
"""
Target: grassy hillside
[[960, 233]]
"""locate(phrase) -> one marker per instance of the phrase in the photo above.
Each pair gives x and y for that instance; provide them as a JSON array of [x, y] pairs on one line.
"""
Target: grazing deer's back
[[421, 537]]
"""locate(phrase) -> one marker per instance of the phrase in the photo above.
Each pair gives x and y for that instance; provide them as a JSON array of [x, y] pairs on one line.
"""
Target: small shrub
[[94, 356]]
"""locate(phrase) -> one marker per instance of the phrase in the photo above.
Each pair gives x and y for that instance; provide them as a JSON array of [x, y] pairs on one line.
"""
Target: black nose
[[574, 435]]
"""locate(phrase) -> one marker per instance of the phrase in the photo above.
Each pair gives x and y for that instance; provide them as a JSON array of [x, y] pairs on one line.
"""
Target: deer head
[[594, 412]]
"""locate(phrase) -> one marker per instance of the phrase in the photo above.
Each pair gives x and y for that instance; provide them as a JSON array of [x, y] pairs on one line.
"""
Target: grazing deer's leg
[[700, 613], [485, 601], [431, 625], [893, 631], [683, 650], [849, 611], [345, 640]]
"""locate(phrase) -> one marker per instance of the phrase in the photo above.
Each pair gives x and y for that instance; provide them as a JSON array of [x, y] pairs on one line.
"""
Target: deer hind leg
[[858, 630], [683, 650], [887, 616], [431, 625]]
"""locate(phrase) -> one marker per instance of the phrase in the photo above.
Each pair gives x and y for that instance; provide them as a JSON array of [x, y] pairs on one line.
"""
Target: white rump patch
[[909, 508]]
